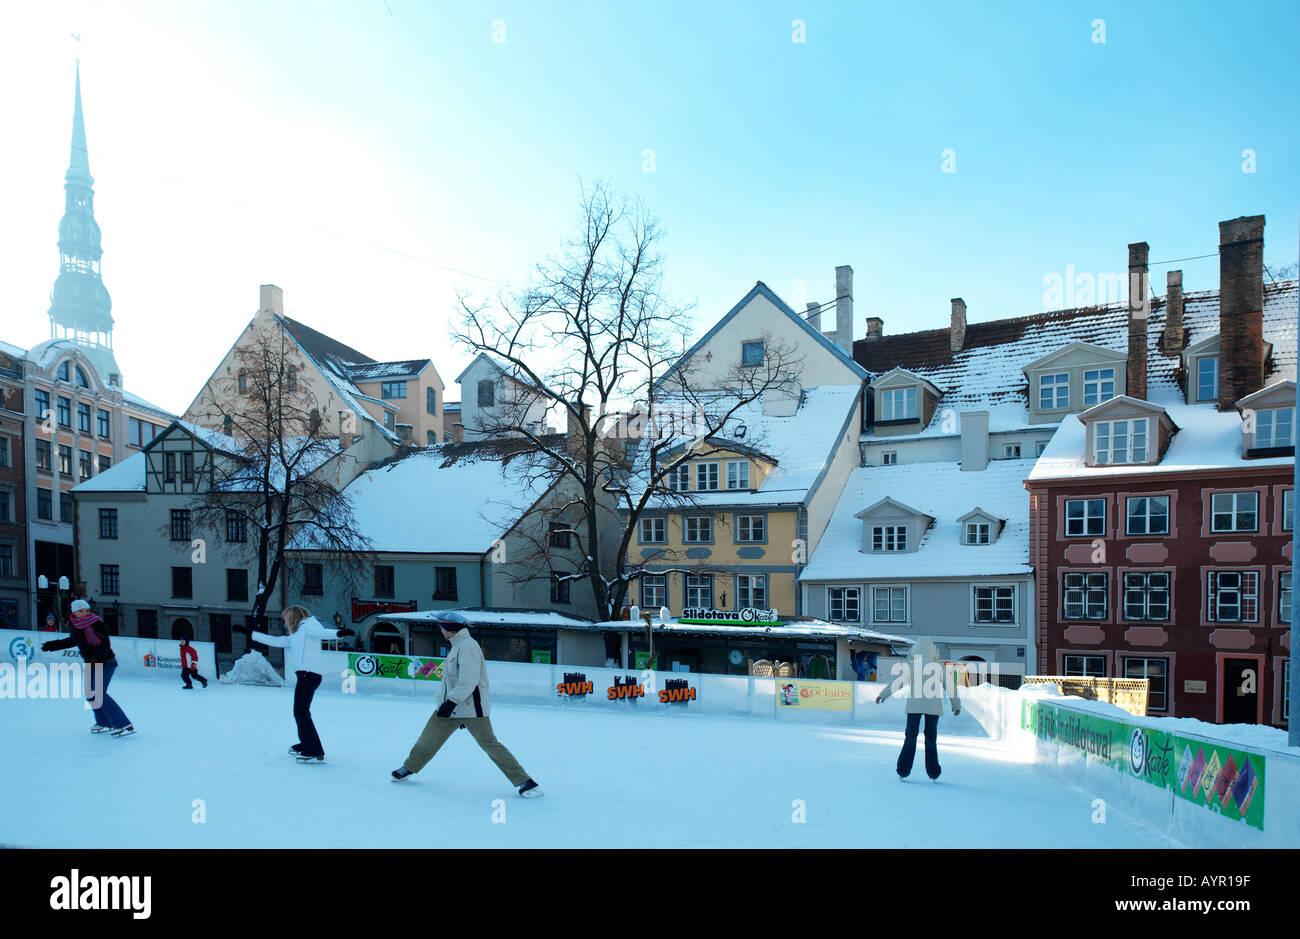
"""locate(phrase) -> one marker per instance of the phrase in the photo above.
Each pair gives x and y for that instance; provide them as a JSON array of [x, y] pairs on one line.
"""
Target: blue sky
[[355, 156]]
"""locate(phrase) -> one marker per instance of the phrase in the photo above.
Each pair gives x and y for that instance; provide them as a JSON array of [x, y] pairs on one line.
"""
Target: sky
[[373, 157]]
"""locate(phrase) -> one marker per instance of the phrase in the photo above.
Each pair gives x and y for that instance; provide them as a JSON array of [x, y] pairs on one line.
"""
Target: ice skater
[[190, 664], [926, 682], [90, 636], [463, 703], [302, 658]]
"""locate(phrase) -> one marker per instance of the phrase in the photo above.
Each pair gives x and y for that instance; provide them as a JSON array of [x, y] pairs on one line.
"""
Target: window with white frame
[[654, 530], [897, 404], [844, 604], [1288, 509], [1234, 511], [995, 604], [1146, 515], [751, 529], [979, 532], [1011, 451], [1284, 597], [706, 476], [889, 538], [1039, 447], [654, 591], [1286, 689], [1207, 378], [889, 604], [1275, 427], [1120, 441], [737, 474], [1085, 666], [1085, 595], [751, 591], [1098, 385], [1233, 596], [699, 590], [1156, 672], [698, 529], [1054, 391], [1146, 596], [889, 458], [679, 478], [1085, 517]]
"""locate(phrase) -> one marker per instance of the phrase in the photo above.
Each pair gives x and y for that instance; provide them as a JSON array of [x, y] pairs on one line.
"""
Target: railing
[[1127, 693]]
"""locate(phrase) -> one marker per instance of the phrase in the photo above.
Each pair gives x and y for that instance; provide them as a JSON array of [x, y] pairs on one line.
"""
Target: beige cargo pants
[[439, 729]]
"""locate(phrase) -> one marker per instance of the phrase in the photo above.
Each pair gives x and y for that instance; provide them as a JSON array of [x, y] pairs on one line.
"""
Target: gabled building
[[494, 395]]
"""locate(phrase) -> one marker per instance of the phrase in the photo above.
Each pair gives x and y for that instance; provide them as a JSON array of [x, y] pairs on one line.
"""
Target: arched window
[[431, 400], [243, 382], [82, 380], [63, 371], [486, 393]]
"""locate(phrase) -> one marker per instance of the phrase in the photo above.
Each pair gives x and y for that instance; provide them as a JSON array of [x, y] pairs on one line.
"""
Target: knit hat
[[452, 621], [79, 606]]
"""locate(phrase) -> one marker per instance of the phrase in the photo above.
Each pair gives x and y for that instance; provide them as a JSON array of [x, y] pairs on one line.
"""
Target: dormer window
[[1098, 386], [679, 479], [1122, 441], [1054, 391], [738, 474], [889, 538], [978, 527], [1274, 427], [1207, 378], [979, 532], [82, 380], [898, 404], [63, 371], [706, 477]]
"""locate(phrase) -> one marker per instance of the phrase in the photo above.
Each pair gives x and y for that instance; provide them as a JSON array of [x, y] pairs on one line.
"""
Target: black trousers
[[908, 753], [188, 673], [308, 739]]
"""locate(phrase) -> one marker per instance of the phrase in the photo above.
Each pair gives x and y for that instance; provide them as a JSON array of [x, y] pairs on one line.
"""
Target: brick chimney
[[272, 299], [875, 328], [1241, 309], [843, 336], [957, 332], [1174, 337], [814, 315], [1139, 308]]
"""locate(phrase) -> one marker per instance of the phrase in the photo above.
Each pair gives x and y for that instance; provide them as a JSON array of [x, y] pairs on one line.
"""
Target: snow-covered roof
[[481, 617], [940, 490], [139, 403], [801, 445], [378, 371], [127, 476], [12, 350], [508, 369]]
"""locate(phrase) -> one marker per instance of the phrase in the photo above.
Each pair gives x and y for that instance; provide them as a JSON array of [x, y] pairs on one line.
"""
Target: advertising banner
[[814, 695], [372, 665], [1226, 780], [136, 657]]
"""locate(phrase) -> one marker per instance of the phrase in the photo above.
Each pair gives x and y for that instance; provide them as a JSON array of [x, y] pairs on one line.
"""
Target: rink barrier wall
[[136, 657]]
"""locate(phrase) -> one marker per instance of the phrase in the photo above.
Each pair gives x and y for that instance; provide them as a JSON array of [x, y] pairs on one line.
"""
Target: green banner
[[371, 665], [1224, 779]]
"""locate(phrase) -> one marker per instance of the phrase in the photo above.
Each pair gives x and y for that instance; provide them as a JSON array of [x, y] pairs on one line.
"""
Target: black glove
[[47, 646], [445, 709], [344, 631]]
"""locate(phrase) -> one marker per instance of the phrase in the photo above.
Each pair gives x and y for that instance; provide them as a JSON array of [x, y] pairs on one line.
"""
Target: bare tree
[[597, 343]]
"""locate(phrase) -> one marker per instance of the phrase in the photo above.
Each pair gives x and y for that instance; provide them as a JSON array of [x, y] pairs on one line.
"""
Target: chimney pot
[[814, 315], [1241, 309], [1174, 337], [875, 328], [957, 331], [1139, 307]]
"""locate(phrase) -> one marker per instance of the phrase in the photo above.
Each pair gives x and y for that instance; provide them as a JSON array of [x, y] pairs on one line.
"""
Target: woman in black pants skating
[[302, 658]]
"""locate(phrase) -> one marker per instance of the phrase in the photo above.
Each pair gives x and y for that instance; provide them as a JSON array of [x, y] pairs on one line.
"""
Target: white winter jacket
[[464, 677], [924, 680], [301, 647]]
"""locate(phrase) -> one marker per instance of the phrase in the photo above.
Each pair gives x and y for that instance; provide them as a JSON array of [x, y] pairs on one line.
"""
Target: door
[[1240, 691], [182, 629]]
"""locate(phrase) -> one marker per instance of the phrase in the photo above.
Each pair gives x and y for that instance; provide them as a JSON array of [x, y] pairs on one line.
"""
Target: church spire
[[80, 159]]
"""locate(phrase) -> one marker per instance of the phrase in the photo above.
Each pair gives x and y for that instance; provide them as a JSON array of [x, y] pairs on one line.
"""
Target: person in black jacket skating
[[90, 636]]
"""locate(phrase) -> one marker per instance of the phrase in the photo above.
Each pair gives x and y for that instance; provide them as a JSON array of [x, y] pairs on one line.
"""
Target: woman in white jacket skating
[[301, 647], [926, 681]]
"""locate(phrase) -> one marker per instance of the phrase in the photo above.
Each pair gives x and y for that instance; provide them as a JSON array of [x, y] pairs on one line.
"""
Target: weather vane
[[77, 37]]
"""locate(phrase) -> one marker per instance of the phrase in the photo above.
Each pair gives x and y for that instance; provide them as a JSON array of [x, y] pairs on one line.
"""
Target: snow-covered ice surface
[[611, 780]]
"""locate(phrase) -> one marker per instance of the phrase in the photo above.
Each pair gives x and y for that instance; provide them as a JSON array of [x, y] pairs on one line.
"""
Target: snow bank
[[252, 668]]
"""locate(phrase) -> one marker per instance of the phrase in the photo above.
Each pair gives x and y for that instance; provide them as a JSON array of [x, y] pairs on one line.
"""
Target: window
[[187, 467], [293, 378], [486, 393], [560, 587], [110, 581], [1234, 596], [898, 404], [889, 458], [65, 460], [105, 463], [844, 604], [1085, 595], [699, 590], [6, 560], [140, 432], [5, 511], [889, 604], [243, 382], [698, 529], [1207, 378], [654, 591], [42, 403], [706, 476], [1039, 447], [101, 419], [313, 580], [1146, 596], [431, 438], [43, 454], [236, 585], [979, 532], [1147, 515], [390, 420], [4, 451], [384, 586], [1054, 391], [889, 538], [1286, 689], [67, 509], [108, 523], [45, 504], [236, 526], [738, 474], [679, 479], [1275, 427], [1120, 441], [180, 525], [1085, 666], [1288, 509], [1234, 511], [84, 466], [1155, 672], [1098, 385], [1011, 451], [392, 389], [751, 529], [82, 380], [83, 418], [995, 604], [444, 583], [653, 531], [751, 353], [227, 425], [561, 535], [65, 412], [1284, 597], [751, 591], [1085, 517], [183, 583], [62, 371], [431, 400]]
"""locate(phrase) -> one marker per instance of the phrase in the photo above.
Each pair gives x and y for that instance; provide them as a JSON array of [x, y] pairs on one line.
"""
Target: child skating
[[190, 664]]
